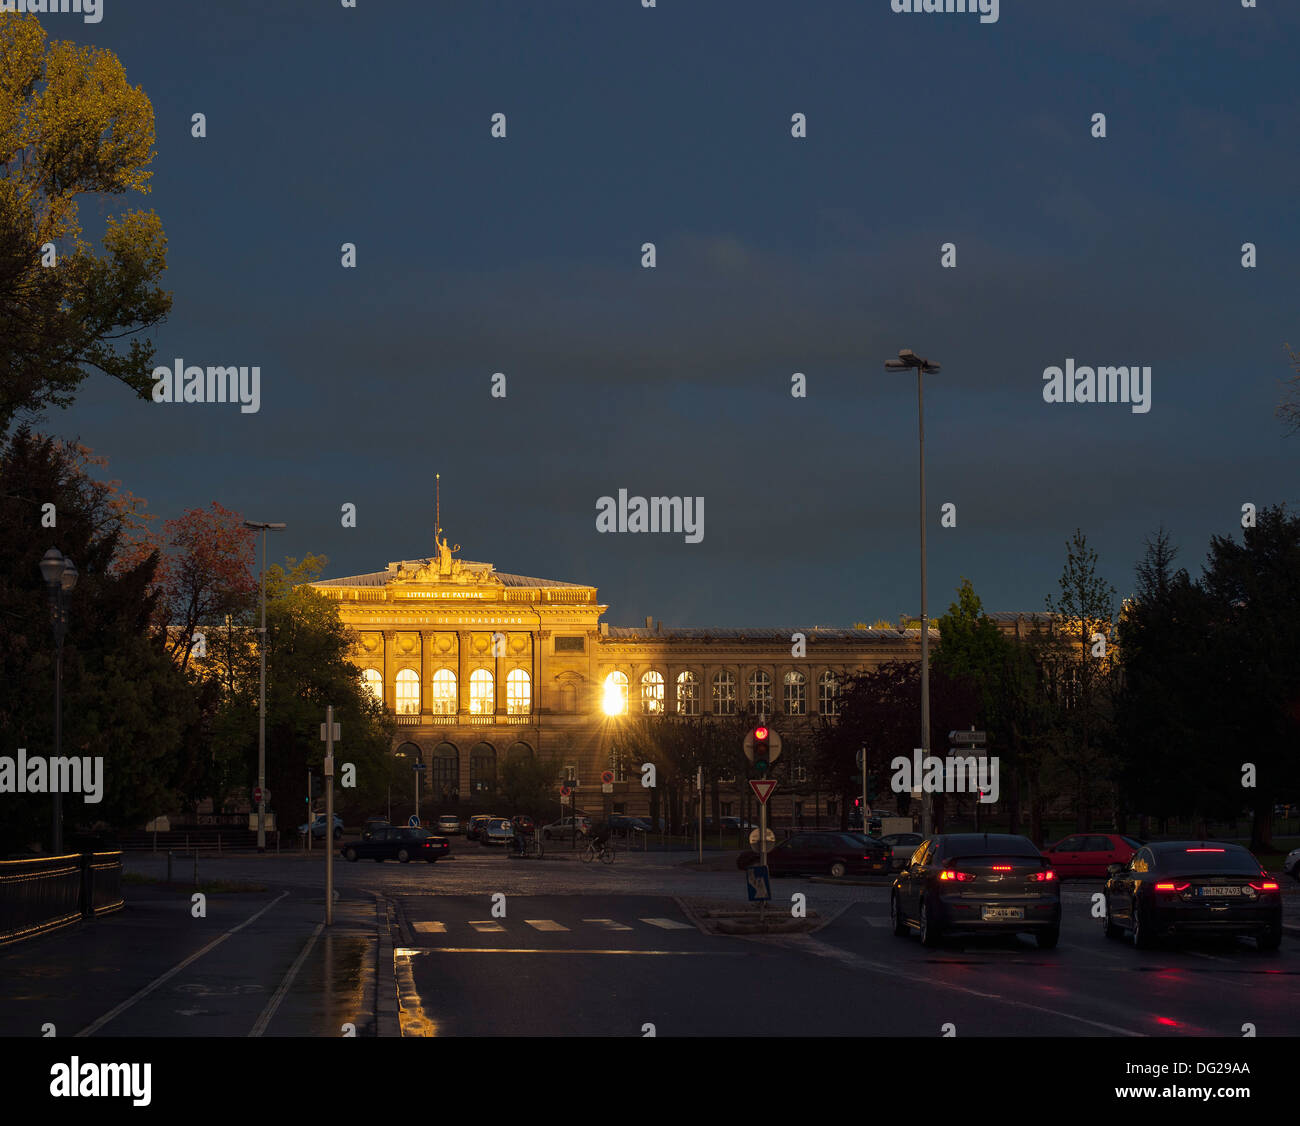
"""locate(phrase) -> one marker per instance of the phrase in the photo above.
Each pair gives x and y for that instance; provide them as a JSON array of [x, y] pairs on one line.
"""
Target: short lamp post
[[60, 575]]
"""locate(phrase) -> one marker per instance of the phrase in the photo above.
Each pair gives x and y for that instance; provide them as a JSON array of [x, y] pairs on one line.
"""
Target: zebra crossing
[[546, 926]]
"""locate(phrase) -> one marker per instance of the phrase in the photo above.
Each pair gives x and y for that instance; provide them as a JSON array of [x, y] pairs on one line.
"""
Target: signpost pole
[[699, 805], [329, 815], [309, 811]]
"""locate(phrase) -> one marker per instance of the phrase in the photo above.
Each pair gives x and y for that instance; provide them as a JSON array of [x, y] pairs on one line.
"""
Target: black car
[[1174, 888], [977, 883], [373, 823], [822, 854], [396, 843], [621, 824]]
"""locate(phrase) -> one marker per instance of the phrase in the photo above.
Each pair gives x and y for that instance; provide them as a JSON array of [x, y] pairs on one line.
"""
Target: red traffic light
[[760, 732]]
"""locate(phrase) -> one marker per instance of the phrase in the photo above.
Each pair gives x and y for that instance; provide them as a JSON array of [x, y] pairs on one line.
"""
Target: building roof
[[485, 570], [812, 633]]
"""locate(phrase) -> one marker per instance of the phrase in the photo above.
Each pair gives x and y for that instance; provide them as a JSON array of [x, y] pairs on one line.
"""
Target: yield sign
[[763, 787]]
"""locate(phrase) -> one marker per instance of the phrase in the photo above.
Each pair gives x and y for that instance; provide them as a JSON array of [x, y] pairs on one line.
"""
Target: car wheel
[[838, 869], [1048, 939], [1141, 931], [1269, 940], [929, 932], [896, 916], [350, 853], [1108, 928], [403, 855]]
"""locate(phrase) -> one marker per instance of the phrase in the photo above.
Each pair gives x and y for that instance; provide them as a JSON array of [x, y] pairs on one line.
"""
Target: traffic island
[[729, 917]]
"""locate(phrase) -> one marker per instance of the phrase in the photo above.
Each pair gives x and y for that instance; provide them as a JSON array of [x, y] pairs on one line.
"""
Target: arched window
[[445, 782], [482, 766], [444, 692], [518, 751], [724, 693], [652, 693], [688, 694], [408, 692], [796, 693], [481, 700], [568, 697], [828, 693], [374, 682], [519, 693], [760, 693], [614, 697]]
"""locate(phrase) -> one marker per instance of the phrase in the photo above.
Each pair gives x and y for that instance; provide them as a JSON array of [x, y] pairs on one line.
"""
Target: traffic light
[[857, 803], [762, 740]]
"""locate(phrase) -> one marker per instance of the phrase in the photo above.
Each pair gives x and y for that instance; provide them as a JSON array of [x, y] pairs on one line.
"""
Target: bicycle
[[529, 844], [602, 849]]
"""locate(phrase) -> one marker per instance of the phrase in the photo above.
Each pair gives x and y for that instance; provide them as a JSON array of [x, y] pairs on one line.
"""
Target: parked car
[[833, 854], [1173, 888], [1291, 865], [622, 825], [318, 827], [373, 823], [448, 823], [475, 825], [393, 842], [1090, 854], [564, 827], [977, 883], [901, 847], [496, 830]]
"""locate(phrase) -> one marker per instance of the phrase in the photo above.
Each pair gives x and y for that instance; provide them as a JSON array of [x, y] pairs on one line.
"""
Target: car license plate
[[993, 913], [1216, 892]]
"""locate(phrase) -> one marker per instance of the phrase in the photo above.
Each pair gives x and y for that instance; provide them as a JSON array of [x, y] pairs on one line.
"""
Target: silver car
[[497, 831], [1291, 865], [901, 847], [449, 823]]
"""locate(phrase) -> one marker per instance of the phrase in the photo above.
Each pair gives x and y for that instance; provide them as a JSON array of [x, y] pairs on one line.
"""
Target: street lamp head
[[69, 576], [52, 566], [264, 525]]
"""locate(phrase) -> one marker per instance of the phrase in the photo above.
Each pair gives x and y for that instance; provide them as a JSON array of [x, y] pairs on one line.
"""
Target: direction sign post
[[329, 731]]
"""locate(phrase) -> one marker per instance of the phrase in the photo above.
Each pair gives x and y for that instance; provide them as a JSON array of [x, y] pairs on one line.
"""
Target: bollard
[[169, 865]]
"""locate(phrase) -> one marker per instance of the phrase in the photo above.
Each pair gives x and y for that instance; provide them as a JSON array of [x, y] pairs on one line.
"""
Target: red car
[[1089, 854]]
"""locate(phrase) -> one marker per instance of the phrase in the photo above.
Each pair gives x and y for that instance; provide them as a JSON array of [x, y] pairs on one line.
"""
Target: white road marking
[[668, 924], [95, 1026], [486, 926], [545, 925], [278, 996], [608, 924]]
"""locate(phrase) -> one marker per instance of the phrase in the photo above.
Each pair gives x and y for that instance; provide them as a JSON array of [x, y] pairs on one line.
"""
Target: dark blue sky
[[775, 255]]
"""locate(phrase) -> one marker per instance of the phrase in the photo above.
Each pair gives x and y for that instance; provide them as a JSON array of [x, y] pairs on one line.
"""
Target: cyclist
[[524, 829], [601, 831]]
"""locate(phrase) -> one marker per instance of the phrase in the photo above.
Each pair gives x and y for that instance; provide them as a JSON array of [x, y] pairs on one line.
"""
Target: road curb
[[387, 1023]]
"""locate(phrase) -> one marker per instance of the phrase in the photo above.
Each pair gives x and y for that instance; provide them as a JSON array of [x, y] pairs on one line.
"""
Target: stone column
[[462, 672]]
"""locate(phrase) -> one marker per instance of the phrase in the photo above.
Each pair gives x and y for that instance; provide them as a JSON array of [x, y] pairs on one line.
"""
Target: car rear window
[[415, 834], [1208, 859]]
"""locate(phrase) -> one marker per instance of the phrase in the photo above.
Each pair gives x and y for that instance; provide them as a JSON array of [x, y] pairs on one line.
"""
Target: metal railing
[[49, 892]]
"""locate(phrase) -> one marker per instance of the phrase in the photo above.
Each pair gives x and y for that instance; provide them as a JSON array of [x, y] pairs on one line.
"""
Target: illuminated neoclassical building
[[477, 665]]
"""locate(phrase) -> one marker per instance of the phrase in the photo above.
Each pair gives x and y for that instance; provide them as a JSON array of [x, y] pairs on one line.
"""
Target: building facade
[[477, 666]]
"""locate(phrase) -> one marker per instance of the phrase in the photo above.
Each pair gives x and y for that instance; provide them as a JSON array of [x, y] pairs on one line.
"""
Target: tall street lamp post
[[907, 359], [261, 700], [60, 574]]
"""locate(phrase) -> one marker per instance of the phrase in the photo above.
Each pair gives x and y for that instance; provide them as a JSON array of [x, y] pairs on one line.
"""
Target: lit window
[[444, 692], [481, 700], [688, 694], [375, 683], [614, 697], [724, 694], [519, 693], [796, 693], [828, 694], [652, 693], [760, 693], [408, 692], [618, 766]]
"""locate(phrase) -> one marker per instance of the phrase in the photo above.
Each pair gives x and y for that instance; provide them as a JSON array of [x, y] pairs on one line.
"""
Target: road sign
[[257, 795], [337, 737], [757, 883], [967, 737], [565, 791], [413, 822], [565, 799], [607, 787], [763, 788], [753, 837], [419, 766], [606, 777]]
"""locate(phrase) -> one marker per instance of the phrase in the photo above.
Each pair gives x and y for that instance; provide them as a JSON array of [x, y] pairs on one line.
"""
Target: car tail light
[[1173, 887], [1039, 877], [949, 874], [1002, 867], [1205, 850], [1265, 885]]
